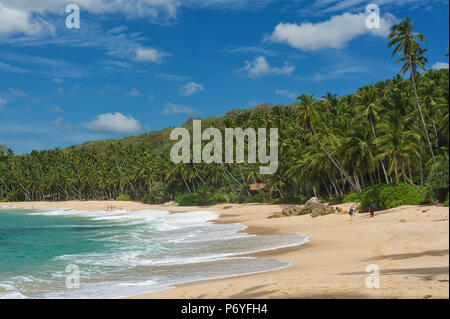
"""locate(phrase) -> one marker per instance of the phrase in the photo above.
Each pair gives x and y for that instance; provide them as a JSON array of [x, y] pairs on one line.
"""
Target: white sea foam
[[151, 250], [12, 295]]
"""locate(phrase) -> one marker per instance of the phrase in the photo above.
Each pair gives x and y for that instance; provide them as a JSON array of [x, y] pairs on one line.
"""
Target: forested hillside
[[390, 132]]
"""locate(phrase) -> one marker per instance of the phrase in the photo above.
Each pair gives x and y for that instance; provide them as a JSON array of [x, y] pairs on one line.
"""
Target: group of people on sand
[[353, 209]]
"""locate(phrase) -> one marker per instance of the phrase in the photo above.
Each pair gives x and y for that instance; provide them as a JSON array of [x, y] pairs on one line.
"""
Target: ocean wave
[[149, 250]]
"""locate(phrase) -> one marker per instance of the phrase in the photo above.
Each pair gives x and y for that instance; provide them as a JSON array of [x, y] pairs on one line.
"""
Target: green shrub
[[258, 198], [156, 195], [400, 194], [124, 197], [371, 194], [12, 197], [446, 202], [336, 200], [289, 200], [437, 184], [194, 199], [390, 195], [351, 198], [219, 197]]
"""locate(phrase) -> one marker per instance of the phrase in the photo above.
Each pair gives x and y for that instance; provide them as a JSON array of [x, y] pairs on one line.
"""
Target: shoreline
[[408, 243]]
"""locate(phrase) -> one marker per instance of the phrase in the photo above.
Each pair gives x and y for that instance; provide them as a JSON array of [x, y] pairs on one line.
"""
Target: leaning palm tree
[[308, 117], [406, 44]]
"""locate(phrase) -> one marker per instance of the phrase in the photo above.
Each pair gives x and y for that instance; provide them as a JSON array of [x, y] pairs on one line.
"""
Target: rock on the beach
[[172, 203], [319, 210], [313, 208], [277, 215], [295, 211], [312, 200]]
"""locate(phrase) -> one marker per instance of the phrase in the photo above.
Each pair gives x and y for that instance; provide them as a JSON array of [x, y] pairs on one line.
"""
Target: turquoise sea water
[[123, 253]]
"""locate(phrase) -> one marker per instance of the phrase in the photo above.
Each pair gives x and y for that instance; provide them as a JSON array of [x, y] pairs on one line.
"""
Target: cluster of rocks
[[312, 207], [171, 203]]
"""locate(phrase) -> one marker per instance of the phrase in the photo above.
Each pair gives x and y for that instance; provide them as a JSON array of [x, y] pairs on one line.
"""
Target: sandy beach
[[409, 244]]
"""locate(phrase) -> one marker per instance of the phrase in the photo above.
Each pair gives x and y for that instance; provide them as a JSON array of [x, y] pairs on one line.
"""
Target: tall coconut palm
[[398, 145], [308, 117], [406, 44], [367, 97]]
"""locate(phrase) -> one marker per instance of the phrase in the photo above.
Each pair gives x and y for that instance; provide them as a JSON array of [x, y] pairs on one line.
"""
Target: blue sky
[[140, 65]]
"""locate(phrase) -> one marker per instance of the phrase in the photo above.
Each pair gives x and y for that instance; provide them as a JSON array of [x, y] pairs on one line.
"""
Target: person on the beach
[[351, 212], [372, 209]]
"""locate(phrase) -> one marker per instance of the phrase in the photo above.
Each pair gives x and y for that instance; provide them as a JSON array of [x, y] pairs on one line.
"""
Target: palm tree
[[398, 145], [431, 98], [367, 97], [308, 117], [406, 44]]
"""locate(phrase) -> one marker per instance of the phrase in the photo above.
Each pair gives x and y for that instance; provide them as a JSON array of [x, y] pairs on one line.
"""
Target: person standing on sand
[[372, 209], [351, 212]]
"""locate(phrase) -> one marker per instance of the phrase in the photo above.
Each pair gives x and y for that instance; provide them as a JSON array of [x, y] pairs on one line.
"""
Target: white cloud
[[150, 55], [227, 4], [287, 94], [172, 77], [440, 65], [11, 68], [17, 92], [133, 93], [22, 11], [260, 67], [27, 16], [61, 122], [54, 109], [114, 123], [341, 71], [57, 80], [170, 108], [3, 104], [191, 88], [14, 20], [248, 49], [340, 5], [333, 33]]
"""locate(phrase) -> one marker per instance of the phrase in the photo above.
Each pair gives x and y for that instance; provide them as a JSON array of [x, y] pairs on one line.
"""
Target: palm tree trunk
[[381, 161], [363, 184], [436, 139], [421, 170], [420, 110], [195, 167], [409, 170], [397, 175], [185, 183], [326, 187], [410, 181], [315, 191], [338, 166]]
